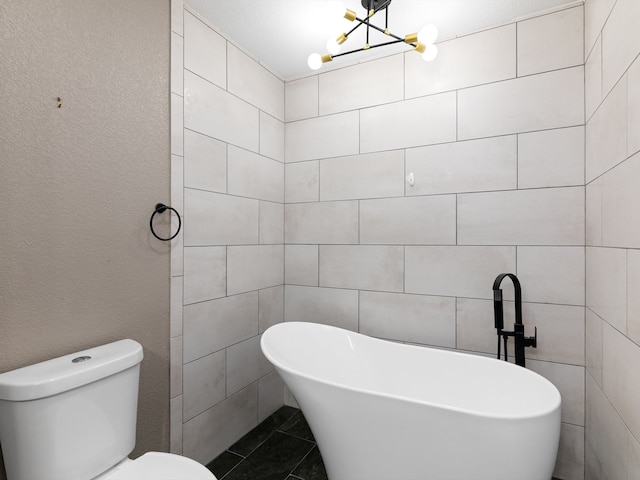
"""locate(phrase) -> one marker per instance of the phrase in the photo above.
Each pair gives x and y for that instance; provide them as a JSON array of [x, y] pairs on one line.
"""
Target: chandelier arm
[[370, 47], [381, 30]]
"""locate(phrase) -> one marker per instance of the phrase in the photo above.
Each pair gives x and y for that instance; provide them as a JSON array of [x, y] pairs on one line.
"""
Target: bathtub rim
[[556, 402]]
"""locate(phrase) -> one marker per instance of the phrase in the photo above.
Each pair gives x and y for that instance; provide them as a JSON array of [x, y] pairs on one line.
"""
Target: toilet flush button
[[84, 358]]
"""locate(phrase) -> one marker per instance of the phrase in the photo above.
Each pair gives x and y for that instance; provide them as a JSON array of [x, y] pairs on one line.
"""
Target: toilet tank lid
[[70, 371]]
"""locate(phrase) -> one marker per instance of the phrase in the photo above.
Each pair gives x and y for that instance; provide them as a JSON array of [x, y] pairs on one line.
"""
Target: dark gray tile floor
[[282, 447]]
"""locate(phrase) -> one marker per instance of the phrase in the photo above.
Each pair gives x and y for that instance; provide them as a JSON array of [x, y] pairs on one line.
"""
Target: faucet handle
[[532, 341]]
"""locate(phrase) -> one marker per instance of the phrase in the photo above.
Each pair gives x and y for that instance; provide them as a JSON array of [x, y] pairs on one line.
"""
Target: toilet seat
[[159, 466]]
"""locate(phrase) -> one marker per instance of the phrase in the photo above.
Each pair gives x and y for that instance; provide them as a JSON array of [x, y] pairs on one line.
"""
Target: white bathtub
[[383, 410]]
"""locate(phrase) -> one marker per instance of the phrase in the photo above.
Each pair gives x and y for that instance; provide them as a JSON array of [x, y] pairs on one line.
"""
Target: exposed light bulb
[[314, 61], [430, 53], [333, 47], [428, 34]]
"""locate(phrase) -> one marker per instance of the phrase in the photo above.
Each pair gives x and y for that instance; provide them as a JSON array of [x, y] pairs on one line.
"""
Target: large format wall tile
[[372, 175], [322, 137], [254, 176], [551, 158], [365, 267], [633, 108], [427, 220], [301, 99], [216, 324], [252, 267], [250, 81], [595, 16], [620, 380], [552, 274], [204, 384], [325, 222], [271, 223], [620, 205], [302, 182], [210, 433], [523, 217], [472, 166], [456, 271], [410, 318], [271, 137], [329, 306], [593, 80], [550, 42], [271, 307], [620, 41], [536, 102], [219, 114], [606, 285], [593, 346], [245, 364], [607, 133], [633, 299], [205, 273], [343, 89], [216, 219], [483, 57], [301, 265], [411, 123], [205, 52], [205, 162]]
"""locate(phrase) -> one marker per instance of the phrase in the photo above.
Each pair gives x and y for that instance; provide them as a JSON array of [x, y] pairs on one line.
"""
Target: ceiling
[[281, 34]]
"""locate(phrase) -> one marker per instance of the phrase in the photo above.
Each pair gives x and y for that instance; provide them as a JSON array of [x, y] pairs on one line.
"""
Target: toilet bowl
[[74, 418], [158, 466]]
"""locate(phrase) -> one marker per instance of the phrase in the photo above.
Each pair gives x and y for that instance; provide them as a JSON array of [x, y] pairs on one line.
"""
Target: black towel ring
[[161, 208]]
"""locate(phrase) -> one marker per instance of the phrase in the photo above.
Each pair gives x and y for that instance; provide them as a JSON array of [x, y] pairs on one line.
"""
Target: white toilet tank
[[72, 417]]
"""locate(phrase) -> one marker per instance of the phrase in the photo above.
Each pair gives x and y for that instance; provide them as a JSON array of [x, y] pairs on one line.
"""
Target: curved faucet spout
[[520, 340]]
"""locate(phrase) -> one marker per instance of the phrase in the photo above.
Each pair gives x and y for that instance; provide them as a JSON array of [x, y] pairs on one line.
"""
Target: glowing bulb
[[333, 47], [428, 34], [430, 53], [314, 61]]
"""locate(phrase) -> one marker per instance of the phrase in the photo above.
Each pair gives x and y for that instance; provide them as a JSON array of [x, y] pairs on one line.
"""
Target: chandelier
[[422, 42]]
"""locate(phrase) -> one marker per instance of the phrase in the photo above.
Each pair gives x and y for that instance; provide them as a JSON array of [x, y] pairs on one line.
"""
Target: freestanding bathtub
[[388, 411]]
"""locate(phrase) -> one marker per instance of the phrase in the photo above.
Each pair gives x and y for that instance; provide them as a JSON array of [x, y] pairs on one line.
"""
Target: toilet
[[74, 418]]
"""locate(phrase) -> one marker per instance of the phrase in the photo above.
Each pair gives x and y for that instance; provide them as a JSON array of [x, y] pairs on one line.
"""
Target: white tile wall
[[621, 383], [552, 274], [570, 463], [271, 137], [177, 123], [249, 80], [301, 265], [321, 137], [484, 57], [410, 123], [620, 41], [593, 346], [245, 364], [607, 133], [214, 325], [205, 52], [325, 222], [427, 220], [177, 60], [204, 384], [215, 219], [593, 224], [606, 285], [523, 217], [205, 273], [372, 175], [302, 182], [271, 223], [329, 306], [550, 42], [456, 271], [633, 299], [633, 108], [364, 267], [252, 267], [551, 158], [536, 102], [596, 14], [301, 99], [620, 204], [254, 176], [271, 394], [210, 110], [271, 307], [593, 79], [471, 166], [411, 318], [343, 89], [205, 162]]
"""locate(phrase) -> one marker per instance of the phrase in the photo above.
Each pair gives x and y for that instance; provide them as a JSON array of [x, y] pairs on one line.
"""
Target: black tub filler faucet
[[520, 340]]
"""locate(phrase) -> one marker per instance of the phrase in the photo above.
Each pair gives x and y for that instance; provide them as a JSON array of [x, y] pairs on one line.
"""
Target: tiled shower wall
[[493, 133], [228, 264], [612, 71]]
